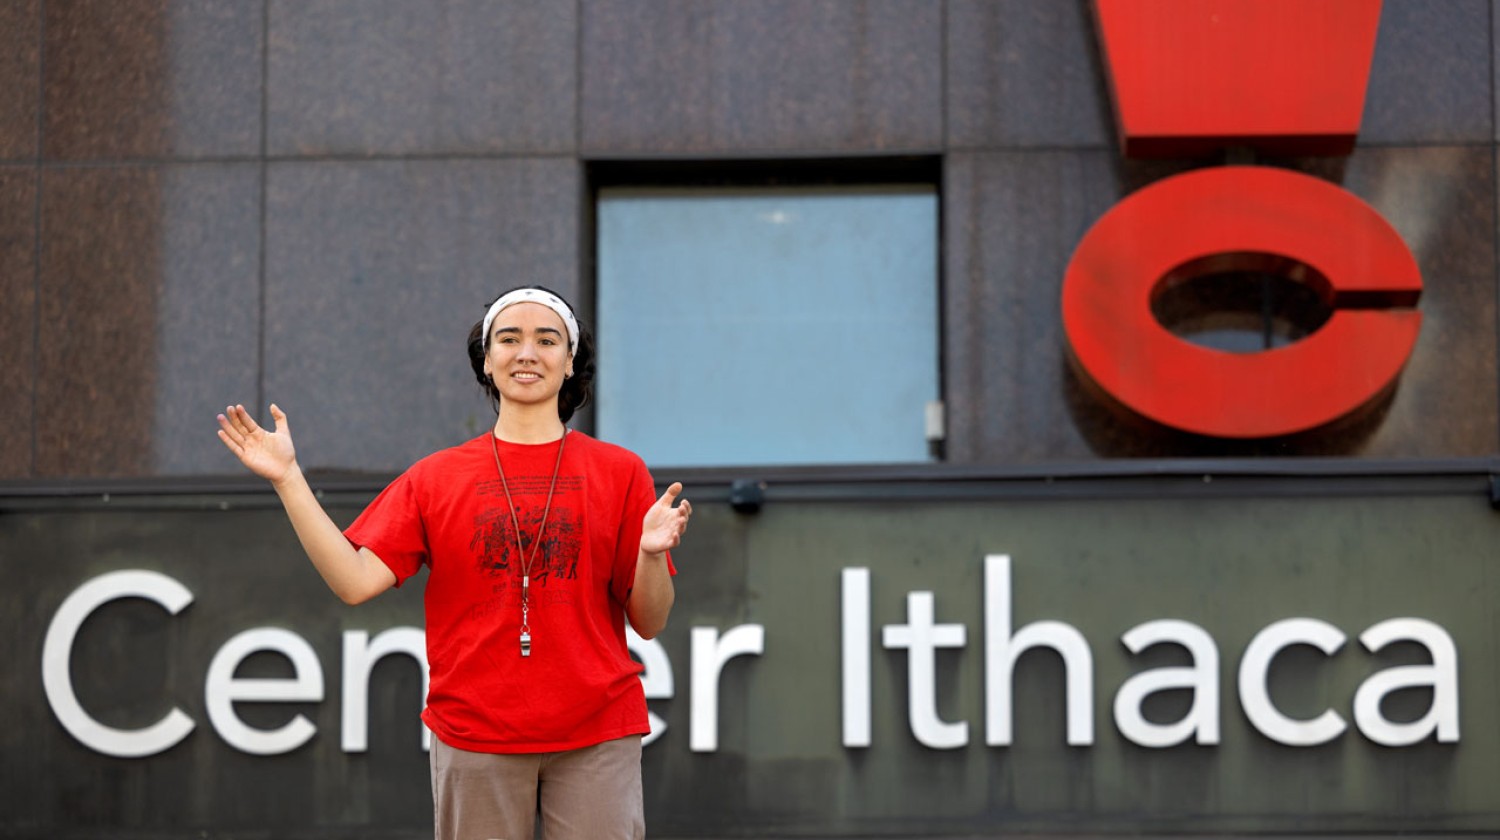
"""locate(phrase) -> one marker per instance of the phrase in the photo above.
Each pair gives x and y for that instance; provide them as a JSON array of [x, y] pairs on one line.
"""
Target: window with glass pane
[[767, 326]]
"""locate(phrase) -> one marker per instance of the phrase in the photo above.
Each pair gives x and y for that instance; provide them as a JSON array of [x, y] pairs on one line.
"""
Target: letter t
[[921, 638]]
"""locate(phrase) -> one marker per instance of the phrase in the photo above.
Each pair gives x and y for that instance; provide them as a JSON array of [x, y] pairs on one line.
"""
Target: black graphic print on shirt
[[494, 540]]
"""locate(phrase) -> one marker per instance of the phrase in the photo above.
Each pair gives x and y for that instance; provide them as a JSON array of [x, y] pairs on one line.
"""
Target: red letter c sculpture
[[1242, 217]]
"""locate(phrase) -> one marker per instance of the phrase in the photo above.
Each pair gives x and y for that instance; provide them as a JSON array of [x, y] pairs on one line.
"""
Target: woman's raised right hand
[[268, 454]]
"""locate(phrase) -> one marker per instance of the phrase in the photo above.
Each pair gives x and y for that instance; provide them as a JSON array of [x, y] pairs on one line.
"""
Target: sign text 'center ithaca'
[[921, 637]]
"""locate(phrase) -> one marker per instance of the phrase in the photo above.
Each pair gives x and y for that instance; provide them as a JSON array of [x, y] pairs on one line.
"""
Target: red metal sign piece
[[1193, 76], [1255, 214]]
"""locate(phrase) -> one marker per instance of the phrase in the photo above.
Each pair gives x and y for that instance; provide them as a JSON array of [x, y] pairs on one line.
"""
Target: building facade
[[941, 581]]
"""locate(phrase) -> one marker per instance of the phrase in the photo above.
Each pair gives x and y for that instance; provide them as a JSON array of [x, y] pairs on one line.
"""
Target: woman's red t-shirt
[[579, 686]]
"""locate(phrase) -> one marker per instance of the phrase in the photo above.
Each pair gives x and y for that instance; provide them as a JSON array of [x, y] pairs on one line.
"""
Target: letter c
[[1255, 696], [1236, 218], [57, 650]]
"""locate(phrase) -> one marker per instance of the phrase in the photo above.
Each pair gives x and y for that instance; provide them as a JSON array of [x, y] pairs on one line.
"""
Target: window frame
[[760, 174]]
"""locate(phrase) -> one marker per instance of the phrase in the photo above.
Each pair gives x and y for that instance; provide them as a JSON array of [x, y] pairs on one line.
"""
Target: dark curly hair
[[576, 390]]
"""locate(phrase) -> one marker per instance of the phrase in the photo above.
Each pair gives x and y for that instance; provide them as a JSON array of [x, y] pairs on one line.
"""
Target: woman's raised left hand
[[664, 525]]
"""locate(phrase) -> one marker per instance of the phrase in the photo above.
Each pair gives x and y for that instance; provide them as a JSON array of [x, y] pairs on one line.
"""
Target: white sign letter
[[1202, 679], [360, 656], [856, 681], [1255, 697], [921, 637], [222, 689], [1001, 649], [57, 651], [656, 680], [710, 652], [1441, 676]]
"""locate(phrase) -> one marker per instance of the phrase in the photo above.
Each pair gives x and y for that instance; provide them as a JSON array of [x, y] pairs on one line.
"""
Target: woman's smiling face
[[528, 356]]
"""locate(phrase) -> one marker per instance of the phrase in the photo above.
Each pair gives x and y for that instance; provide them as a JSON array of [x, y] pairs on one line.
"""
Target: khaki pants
[[592, 793]]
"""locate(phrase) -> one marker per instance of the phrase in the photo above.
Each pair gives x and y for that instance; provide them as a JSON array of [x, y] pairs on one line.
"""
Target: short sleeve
[[392, 527], [640, 495]]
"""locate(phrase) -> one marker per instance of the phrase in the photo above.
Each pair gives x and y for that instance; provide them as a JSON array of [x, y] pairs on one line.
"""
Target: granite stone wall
[[309, 201]]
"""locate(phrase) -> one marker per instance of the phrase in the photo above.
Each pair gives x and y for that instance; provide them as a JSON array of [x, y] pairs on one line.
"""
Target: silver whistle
[[525, 644]]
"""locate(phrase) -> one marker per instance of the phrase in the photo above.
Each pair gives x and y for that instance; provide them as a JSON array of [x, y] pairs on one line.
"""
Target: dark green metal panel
[[1232, 564]]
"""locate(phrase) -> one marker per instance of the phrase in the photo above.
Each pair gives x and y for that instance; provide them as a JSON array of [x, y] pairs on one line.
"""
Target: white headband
[[547, 299]]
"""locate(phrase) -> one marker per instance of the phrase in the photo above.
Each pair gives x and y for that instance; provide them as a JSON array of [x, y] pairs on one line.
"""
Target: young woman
[[539, 542]]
